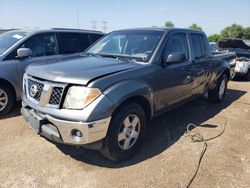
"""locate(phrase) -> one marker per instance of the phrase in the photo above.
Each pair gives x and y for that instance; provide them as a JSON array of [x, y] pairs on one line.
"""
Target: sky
[[211, 15]]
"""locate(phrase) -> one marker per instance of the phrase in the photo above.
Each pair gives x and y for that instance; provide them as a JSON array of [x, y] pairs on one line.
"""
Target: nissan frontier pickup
[[105, 99]]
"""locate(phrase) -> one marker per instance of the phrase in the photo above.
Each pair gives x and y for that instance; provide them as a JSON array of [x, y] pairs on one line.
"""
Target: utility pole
[[94, 24], [104, 26], [77, 18]]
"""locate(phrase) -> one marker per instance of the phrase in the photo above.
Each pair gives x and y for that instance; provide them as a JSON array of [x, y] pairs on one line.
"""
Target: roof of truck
[[163, 29]]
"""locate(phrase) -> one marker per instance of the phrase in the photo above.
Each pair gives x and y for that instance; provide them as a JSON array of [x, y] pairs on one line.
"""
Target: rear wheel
[[217, 95], [6, 99], [125, 133]]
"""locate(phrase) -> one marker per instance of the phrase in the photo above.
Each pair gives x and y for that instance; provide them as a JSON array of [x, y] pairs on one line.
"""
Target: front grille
[[44, 93], [56, 96], [39, 89]]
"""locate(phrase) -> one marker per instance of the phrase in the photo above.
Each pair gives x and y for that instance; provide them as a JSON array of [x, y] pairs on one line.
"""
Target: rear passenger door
[[201, 62], [70, 43]]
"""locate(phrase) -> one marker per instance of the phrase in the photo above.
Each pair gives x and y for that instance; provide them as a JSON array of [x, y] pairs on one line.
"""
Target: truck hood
[[78, 70]]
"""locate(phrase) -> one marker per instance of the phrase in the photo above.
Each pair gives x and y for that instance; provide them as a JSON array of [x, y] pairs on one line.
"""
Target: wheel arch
[[8, 83], [132, 91], [142, 101]]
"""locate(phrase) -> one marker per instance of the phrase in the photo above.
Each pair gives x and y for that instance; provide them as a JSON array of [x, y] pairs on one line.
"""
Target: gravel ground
[[167, 158]]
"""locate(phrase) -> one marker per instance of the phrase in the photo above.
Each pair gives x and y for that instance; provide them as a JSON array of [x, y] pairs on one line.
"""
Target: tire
[[7, 99], [217, 95], [248, 75], [121, 124]]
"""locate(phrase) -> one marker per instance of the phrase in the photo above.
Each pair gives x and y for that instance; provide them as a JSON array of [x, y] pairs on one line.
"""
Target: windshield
[[136, 45], [9, 39]]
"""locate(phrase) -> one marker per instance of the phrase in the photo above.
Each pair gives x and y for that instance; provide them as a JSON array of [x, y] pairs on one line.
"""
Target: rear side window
[[94, 37], [73, 42], [177, 43], [199, 45]]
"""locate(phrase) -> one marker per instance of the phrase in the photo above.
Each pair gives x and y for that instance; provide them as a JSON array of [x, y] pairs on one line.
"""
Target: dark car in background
[[20, 48], [242, 51], [230, 57]]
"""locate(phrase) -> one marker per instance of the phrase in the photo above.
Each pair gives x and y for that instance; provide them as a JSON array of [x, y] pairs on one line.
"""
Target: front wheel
[[126, 132], [217, 95], [6, 99]]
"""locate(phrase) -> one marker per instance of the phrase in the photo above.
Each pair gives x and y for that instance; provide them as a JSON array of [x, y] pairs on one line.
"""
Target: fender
[[124, 90], [221, 67]]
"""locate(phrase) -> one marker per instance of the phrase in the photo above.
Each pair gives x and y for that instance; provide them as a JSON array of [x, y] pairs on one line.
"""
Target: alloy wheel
[[129, 132], [222, 88], [3, 99]]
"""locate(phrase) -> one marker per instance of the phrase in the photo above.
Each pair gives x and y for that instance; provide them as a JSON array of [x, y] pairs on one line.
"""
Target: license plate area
[[35, 121]]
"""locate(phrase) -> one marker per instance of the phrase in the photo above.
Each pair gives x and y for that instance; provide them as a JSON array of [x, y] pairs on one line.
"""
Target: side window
[[177, 43], [94, 37], [41, 45], [198, 45], [203, 45], [73, 42]]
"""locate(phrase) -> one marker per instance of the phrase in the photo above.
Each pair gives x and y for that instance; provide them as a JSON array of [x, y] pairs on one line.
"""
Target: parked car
[[105, 99], [242, 50], [20, 48], [230, 57]]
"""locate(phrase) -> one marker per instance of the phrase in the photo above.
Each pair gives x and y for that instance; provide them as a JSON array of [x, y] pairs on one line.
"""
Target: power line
[[104, 27], [94, 27]]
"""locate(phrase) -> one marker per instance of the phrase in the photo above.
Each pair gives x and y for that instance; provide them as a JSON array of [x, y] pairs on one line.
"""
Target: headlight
[[78, 97]]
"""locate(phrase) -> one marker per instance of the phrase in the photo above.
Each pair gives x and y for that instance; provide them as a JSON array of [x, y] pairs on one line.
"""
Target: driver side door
[[175, 80]]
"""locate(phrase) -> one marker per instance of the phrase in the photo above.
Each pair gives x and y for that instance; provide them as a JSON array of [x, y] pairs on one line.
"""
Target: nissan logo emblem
[[33, 90]]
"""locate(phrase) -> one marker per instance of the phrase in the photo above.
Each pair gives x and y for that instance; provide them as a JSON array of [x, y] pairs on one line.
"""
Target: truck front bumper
[[63, 131]]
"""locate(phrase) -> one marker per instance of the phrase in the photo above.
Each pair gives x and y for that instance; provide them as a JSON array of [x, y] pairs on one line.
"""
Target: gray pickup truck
[[19, 48], [105, 99]]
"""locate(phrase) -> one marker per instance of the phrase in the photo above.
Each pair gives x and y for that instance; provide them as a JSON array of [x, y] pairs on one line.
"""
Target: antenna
[[104, 26], [94, 24]]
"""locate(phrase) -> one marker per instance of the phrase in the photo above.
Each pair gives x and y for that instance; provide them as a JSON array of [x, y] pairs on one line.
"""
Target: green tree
[[195, 26], [247, 33], [233, 31], [169, 24], [214, 38]]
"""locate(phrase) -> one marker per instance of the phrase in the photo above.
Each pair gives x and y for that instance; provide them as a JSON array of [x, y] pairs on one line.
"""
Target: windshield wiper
[[115, 57], [108, 56], [92, 55]]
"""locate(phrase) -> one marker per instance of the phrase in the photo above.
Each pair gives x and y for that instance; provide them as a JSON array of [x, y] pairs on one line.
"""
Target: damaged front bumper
[[63, 131]]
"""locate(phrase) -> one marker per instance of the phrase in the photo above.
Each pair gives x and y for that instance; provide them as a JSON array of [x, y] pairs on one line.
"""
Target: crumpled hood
[[78, 70]]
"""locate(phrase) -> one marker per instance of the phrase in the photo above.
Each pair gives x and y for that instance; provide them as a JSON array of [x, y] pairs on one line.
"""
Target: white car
[[242, 67]]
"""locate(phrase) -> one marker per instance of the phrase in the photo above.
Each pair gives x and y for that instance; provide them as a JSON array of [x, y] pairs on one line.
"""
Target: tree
[[247, 33], [214, 38], [169, 24], [195, 26], [233, 31]]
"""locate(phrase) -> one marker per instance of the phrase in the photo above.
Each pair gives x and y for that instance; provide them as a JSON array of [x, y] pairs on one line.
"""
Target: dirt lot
[[167, 158]]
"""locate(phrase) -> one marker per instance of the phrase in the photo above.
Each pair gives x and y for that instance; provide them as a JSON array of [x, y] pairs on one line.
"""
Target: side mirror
[[176, 57], [24, 52]]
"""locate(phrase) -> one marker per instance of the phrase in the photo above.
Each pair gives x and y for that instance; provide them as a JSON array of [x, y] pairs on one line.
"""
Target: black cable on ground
[[197, 137]]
